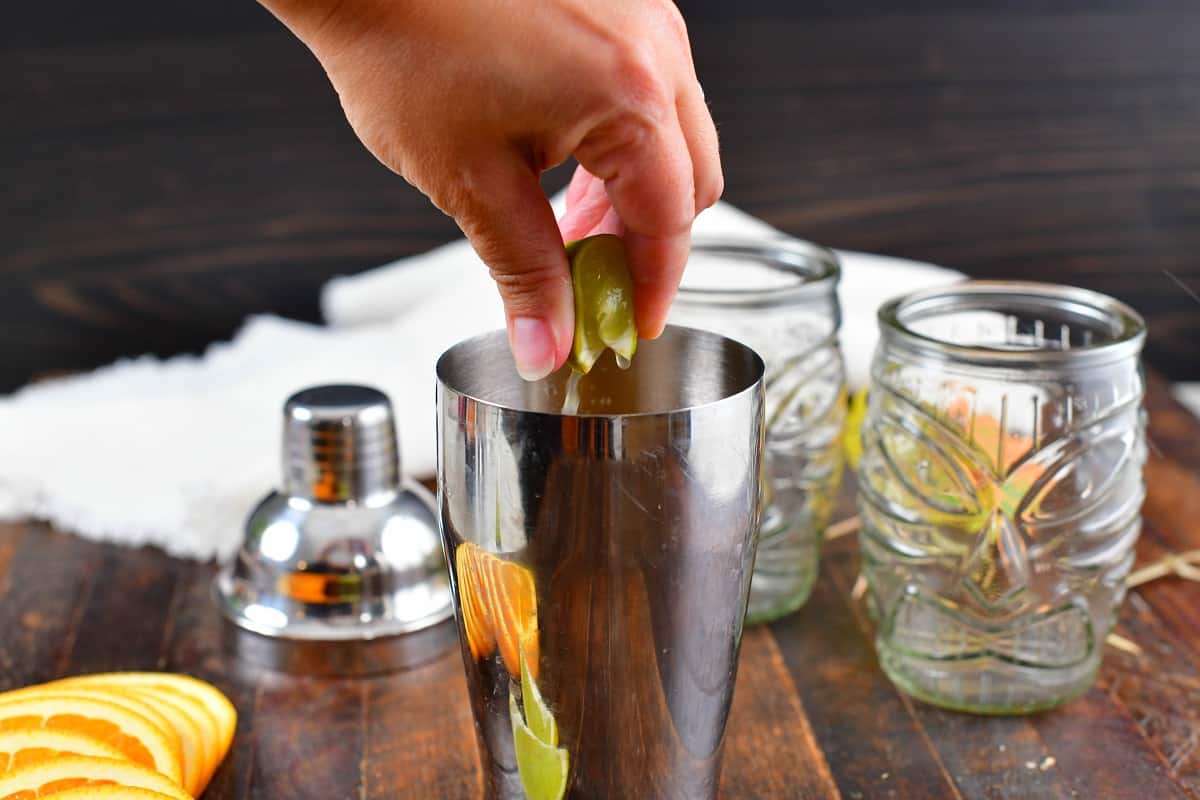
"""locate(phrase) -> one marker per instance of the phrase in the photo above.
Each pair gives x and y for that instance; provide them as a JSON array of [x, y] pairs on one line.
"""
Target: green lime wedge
[[603, 300], [537, 713], [543, 767]]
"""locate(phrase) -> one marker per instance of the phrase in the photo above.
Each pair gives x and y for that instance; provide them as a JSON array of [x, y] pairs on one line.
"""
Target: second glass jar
[[780, 298]]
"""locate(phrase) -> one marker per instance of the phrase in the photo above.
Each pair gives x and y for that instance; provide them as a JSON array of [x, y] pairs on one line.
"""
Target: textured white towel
[[176, 452]]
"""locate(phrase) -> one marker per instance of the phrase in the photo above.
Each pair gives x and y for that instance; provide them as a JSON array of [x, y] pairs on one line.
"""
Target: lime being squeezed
[[603, 289]]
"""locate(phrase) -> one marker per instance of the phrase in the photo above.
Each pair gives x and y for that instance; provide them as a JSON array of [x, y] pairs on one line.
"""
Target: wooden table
[[813, 716]]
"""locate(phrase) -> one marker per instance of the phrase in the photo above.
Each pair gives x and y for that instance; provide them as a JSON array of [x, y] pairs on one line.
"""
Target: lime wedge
[[603, 291], [537, 714], [543, 767]]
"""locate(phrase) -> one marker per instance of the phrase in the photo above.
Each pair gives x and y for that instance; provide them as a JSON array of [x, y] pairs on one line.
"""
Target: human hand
[[471, 100]]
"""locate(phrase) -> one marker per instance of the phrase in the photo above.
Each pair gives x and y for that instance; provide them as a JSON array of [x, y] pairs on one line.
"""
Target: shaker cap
[[339, 444]]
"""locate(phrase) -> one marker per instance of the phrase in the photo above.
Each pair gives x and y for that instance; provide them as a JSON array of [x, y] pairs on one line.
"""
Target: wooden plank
[[421, 734], [10, 536], [125, 617], [870, 740], [1114, 760], [195, 644], [770, 749], [309, 737], [50, 575], [1160, 687]]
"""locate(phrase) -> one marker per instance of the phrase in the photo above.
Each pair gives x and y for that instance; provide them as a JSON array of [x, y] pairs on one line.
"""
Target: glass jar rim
[[817, 269], [1127, 326]]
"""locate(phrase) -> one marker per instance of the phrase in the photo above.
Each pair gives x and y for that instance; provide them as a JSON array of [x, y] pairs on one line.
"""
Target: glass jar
[[1000, 489], [780, 298]]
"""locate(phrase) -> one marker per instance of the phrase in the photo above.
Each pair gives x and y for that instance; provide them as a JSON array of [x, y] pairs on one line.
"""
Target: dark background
[[168, 168]]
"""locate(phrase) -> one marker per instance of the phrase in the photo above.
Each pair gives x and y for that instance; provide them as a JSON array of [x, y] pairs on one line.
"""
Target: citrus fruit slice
[[537, 714], [45, 778], [603, 290], [499, 607], [109, 792], [122, 698], [20, 747], [479, 635], [132, 734], [169, 718], [198, 747], [543, 768], [219, 712]]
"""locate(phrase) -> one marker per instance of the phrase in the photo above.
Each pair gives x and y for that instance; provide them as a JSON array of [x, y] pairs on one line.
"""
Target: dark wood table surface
[[813, 716]]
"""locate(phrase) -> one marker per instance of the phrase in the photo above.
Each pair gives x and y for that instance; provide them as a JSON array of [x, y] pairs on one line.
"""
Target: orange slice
[[122, 698], [109, 793], [479, 635], [499, 607], [220, 717], [169, 718], [20, 747], [194, 742], [47, 778], [112, 723]]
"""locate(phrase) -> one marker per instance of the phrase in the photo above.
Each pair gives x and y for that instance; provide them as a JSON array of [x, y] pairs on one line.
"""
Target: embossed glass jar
[[780, 298], [1000, 489]]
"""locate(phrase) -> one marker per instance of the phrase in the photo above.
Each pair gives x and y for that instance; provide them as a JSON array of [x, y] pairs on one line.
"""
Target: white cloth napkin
[[176, 452]]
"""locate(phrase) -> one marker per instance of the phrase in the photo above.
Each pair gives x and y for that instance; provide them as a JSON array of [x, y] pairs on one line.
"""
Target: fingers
[[511, 226], [647, 172], [581, 179], [586, 208], [701, 135]]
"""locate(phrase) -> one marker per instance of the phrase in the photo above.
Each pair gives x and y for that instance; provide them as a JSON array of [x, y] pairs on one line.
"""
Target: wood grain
[[167, 174], [813, 716]]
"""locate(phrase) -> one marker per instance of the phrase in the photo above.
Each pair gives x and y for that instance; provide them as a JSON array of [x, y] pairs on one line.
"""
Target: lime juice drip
[[571, 395], [571, 392]]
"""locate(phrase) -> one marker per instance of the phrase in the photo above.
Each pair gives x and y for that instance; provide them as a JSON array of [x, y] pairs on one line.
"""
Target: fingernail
[[533, 347]]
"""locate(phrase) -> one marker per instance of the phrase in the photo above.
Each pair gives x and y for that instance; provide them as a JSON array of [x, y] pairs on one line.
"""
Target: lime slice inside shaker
[[542, 767], [603, 290], [537, 713]]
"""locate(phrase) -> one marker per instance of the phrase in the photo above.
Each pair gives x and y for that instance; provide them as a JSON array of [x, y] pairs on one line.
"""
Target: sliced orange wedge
[[135, 736], [109, 793], [499, 607], [47, 778], [195, 743], [120, 697], [475, 624], [204, 703], [166, 715], [20, 747]]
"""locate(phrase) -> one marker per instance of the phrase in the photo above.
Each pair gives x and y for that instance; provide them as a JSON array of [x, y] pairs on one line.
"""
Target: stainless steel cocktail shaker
[[601, 561]]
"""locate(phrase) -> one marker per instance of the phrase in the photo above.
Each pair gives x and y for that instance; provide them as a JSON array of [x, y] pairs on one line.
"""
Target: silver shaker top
[[339, 445], [346, 553]]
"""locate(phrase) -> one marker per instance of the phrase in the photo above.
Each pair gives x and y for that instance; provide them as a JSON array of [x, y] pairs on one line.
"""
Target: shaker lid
[[339, 444], [342, 572]]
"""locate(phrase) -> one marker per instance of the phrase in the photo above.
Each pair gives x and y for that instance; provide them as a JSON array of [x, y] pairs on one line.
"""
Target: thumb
[[511, 226]]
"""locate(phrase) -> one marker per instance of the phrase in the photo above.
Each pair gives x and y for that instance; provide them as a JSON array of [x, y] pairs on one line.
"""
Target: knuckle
[[674, 24], [638, 78], [527, 286]]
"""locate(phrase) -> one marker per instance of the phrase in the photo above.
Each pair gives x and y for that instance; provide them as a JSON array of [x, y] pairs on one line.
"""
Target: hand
[[471, 100]]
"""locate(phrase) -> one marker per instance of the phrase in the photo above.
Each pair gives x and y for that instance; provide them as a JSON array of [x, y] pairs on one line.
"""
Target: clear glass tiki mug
[[1000, 489], [601, 561], [780, 298]]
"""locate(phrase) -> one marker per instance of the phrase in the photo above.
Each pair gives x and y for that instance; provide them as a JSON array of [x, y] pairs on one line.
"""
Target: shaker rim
[[1128, 328], [818, 269], [756, 375]]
